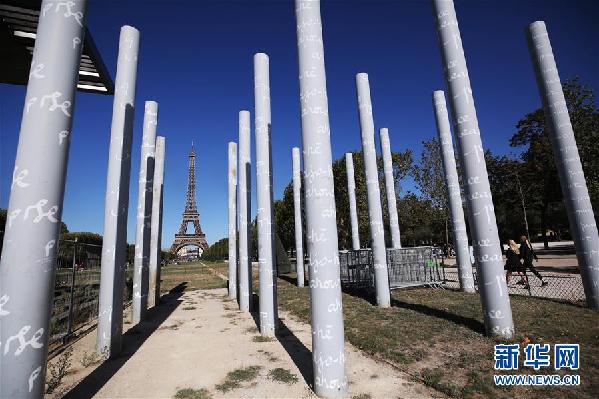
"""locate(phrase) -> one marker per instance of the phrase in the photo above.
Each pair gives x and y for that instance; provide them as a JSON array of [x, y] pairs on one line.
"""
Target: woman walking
[[528, 254]]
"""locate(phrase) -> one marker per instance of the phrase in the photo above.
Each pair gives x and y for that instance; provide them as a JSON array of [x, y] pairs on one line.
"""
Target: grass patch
[[437, 337], [189, 393], [58, 370], [270, 356], [236, 377], [195, 274], [261, 338], [282, 375], [90, 358]]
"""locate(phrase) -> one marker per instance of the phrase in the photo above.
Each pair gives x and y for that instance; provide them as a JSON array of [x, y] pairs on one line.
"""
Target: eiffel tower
[[190, 214]]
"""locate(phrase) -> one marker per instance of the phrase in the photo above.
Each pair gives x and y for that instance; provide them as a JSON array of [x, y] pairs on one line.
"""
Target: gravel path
[[194, 339]]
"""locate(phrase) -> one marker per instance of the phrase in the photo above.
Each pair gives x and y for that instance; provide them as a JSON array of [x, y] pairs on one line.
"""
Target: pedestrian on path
[[528, 254]]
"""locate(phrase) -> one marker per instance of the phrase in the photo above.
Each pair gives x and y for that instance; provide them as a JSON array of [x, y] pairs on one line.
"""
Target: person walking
[[528, 254], [513, 263]]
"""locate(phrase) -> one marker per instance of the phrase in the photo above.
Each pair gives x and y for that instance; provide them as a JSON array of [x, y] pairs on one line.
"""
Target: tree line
[[527, 180]]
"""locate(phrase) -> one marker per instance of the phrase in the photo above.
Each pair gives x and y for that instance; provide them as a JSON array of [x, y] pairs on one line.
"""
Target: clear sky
[[196, 62]]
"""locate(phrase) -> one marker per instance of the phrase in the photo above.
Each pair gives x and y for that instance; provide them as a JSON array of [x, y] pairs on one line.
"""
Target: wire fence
[[561, 286], [76, 289], [425, 266]]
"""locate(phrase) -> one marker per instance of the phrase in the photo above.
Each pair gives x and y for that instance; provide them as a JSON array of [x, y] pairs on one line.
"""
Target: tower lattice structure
[[190, 214]]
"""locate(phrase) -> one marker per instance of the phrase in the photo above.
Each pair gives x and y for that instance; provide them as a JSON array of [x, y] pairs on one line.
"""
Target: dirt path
[[194, 339]]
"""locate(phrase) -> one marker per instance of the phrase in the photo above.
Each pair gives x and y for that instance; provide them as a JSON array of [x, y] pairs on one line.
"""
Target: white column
[[28, 263], [144, 213], [483, 226], [453, 194], [351, 193], [232, 180], [297, 208], [116, 208], [375, 211], [569, 168], [328, 353], [266, 248], [390, 188], [156, 225], [245, 197]]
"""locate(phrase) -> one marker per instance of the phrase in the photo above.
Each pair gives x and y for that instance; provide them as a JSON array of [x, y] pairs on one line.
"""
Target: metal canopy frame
[[18, 27]]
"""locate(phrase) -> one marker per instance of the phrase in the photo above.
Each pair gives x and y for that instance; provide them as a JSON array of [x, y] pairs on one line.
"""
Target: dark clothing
[[512, 264], [528, 254]]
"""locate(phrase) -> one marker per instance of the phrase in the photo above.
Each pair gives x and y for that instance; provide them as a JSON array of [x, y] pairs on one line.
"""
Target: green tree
[[539, 173], [402, 165], [217, 251], [430, 178], [421, 222]]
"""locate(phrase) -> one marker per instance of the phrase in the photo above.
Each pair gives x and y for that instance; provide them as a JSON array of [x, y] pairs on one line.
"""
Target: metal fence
[[76, 288], [561, 286], [357, 270], [408, 267], [415, 266]]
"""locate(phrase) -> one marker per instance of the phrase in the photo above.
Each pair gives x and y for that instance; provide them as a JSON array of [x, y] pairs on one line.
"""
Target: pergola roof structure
[[18, 27]]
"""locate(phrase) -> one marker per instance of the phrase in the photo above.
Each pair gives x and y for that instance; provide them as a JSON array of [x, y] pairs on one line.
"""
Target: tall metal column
[[114, 241], [266, 248], [297, 208], [567, 160], [245, 198], [453, 193], [390, 188], [27, 267], [156, 225], [328, 352], [483, 226], [351, 193], [144, 213], [375, 211], [232, 180]]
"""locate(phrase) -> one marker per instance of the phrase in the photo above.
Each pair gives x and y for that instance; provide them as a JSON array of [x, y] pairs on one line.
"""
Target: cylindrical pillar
[[114, 239], [297, 209], [144, 213], [453, 193], [27, 267], [390, 188], [232, 173], [375, 211], [266, 248], [328, 348], [567, 160], [351, 193], [483, 226], [156, 225], [245, 198]]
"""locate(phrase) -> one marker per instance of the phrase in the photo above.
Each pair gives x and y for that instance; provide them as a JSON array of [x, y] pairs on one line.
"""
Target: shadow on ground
[[132, 341], [297, 351], [468, 322]]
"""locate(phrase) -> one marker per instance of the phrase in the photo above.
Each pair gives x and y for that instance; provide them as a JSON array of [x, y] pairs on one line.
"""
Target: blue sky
[[196, 62]]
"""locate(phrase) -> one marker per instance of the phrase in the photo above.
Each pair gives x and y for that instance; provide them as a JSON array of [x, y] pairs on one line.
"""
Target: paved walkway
[[194, 339]]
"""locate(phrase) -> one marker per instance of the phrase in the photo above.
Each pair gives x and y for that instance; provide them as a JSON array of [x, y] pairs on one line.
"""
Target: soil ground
[[195, 338]]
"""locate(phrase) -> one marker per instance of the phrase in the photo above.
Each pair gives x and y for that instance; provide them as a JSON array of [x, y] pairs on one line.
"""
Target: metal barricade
[[356, 269], [76, 288], [415, 266], [407, 267]]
